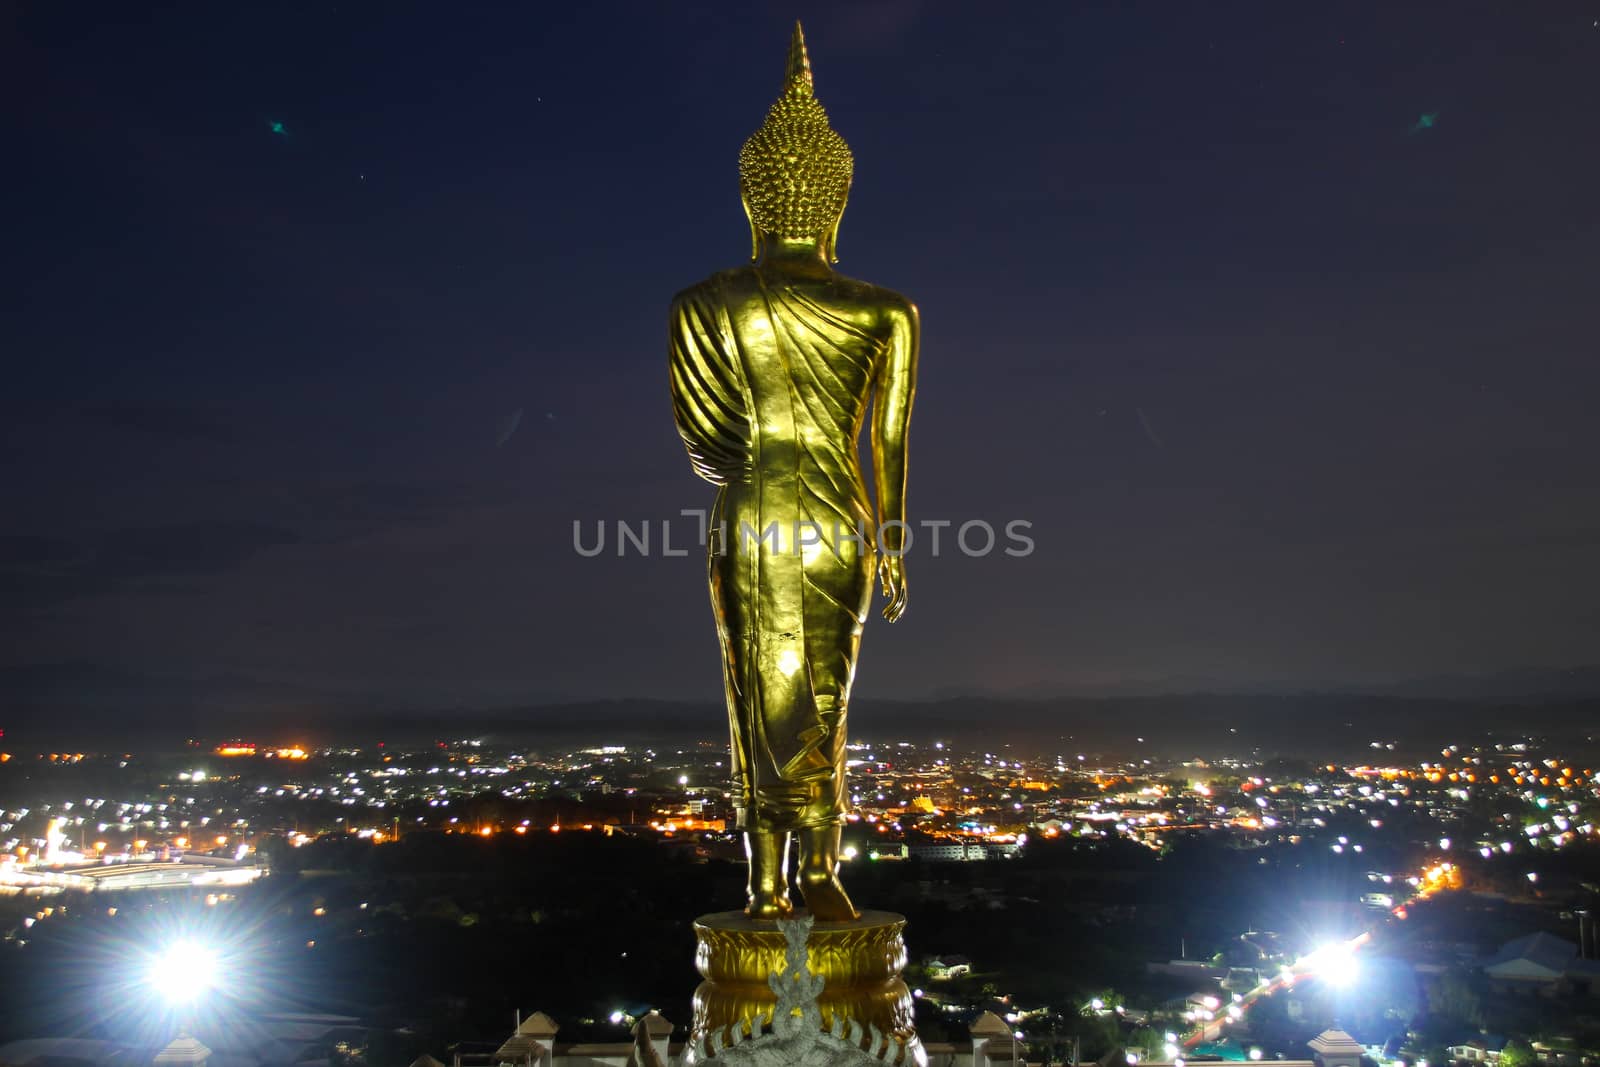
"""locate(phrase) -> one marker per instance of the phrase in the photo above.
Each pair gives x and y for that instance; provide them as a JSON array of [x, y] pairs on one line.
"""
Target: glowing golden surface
[[773, 368], [861, 961]]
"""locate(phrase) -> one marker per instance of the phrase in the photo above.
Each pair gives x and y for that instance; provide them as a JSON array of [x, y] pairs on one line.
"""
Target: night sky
[[324, 322]]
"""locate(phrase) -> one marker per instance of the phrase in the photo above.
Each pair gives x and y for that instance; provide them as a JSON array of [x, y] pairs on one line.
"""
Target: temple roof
[[538, 1025], [184, 1049], [654, 1024], [519, 1047], [1336, 1043]]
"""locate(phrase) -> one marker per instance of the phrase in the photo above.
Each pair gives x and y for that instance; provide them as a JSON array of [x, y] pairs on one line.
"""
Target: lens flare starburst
[[182, 971]]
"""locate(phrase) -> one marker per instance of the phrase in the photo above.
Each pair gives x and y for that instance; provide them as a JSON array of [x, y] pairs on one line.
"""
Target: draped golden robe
[[770, 385]]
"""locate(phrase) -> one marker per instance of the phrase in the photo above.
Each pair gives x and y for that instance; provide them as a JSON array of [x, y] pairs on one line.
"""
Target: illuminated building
[[189, 871]]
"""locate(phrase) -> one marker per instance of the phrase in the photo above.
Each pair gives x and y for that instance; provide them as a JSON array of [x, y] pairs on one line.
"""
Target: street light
[[182, 971], [1341, 968], [1335, 962]]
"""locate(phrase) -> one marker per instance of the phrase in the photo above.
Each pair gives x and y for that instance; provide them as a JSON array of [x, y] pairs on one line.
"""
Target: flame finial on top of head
[[797, 79]]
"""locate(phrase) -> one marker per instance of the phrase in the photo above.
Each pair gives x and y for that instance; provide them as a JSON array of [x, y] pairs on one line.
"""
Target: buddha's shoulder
[[717, 286], [701, 290], [837, 290], [867, 295]]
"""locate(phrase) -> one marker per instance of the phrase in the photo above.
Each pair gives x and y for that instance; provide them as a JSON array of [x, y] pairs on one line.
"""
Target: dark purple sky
[[1294, 386]]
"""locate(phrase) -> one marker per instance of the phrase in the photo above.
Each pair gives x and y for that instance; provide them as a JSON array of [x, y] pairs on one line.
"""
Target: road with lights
[[1335, 962]]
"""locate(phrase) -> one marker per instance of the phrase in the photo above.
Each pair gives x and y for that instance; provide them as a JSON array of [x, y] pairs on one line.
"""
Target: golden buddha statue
[[773, 368]]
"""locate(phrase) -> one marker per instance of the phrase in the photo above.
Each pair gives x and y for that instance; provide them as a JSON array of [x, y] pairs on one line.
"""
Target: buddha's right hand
[[892, 576]]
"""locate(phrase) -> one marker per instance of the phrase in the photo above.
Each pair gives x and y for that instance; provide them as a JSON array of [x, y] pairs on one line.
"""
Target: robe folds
[[770, 387]]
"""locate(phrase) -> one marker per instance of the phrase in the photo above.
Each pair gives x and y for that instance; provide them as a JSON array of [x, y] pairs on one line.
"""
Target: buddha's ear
[[755, 234], [830, 240]]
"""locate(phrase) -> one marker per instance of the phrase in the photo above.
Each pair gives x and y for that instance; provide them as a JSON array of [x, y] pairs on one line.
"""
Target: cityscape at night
[[1231, 907], [870, 534]]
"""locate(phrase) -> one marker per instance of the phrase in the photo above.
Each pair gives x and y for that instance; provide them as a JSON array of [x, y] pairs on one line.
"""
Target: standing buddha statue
[[773, 368]]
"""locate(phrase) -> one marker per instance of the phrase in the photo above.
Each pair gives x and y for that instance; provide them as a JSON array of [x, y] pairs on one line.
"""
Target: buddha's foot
[[770, 908], [825, 897]]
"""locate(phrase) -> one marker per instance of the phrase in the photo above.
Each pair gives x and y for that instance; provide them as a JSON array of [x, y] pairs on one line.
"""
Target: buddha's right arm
[[707, 402]]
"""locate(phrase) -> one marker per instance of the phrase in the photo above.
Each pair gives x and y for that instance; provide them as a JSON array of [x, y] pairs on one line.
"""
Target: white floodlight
[[1339, 965], [183, 971]]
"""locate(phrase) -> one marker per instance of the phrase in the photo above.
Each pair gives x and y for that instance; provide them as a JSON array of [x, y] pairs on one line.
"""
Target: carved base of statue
[[798, 991]]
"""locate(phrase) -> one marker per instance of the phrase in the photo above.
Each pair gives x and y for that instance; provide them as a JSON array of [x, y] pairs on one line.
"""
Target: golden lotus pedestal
[[860, 962]]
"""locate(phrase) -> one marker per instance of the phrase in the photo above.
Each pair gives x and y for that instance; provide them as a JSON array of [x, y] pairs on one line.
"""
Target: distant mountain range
[[83, 706], [1521, 684]]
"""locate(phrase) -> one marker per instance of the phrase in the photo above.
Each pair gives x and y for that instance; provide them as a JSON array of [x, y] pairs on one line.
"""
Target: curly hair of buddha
[[795, 170]]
